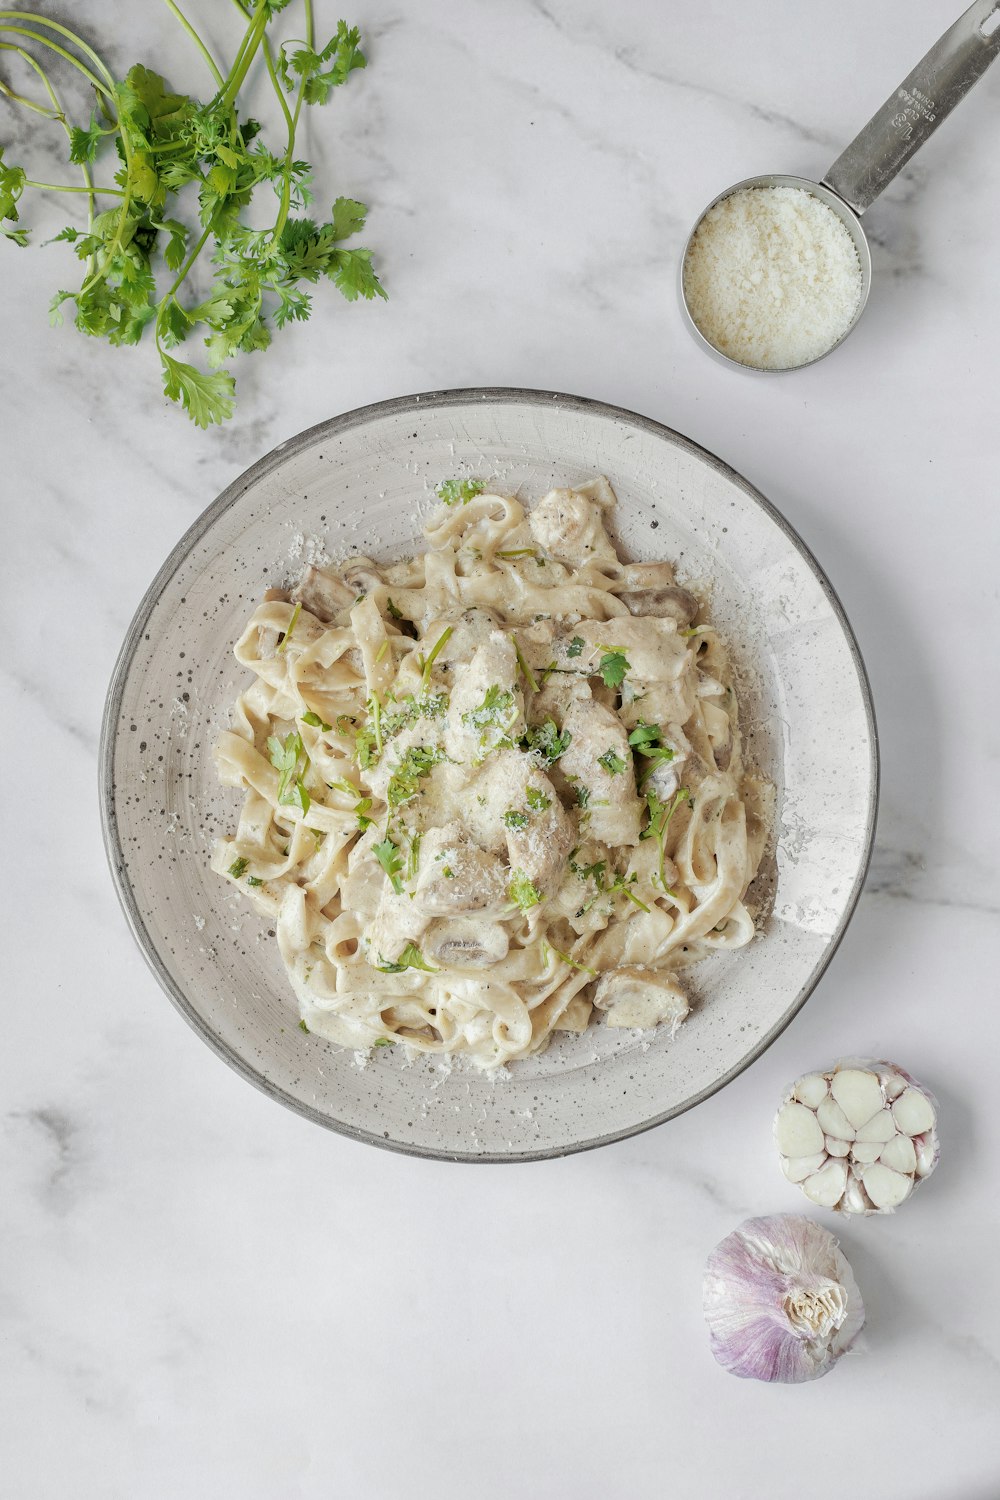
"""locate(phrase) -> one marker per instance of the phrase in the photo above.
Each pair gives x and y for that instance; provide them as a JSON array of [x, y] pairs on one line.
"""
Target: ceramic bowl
[[363, 482]]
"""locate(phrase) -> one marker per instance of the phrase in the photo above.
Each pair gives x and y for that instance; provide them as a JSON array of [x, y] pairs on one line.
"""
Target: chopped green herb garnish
[[529, 676], [546, 740], [238, 868], [362, 807], [537, 801], [514, 819], [418, 762], [517, 552], [252, 880], [410, 958], [647, 740], [575, 646], [565, 958], [289, 759], [368, 740], [382, 650], [582, 794], [522, 892], [315, 722], [437, 647], [397, 614], [291, 626], [391, 861], [611, 761], [448, 872], [305, 1028], [385, 1041], [414, 860], [660, 814], [456, 491], [612, 666], [496, 710]]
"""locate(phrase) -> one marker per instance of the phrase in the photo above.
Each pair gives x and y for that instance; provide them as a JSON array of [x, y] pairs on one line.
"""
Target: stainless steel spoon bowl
[[898, 130]]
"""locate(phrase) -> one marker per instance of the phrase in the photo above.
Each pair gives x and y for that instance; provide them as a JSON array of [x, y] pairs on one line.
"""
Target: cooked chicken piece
[[512, 808], [599, 763], [397, 922], [640, 998], [472, 628], [654, 650], [487, 704], [457, 878], [569, 526], [465, 943]]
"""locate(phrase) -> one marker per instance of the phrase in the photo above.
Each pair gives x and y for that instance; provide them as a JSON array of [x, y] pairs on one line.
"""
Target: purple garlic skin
[[858, 1137], [780, 1300]]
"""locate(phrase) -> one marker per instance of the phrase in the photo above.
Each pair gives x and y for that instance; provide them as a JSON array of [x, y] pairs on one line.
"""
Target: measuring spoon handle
[[918, 106]]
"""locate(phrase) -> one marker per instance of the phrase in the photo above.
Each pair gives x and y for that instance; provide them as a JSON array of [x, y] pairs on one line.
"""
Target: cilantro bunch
[[139, 253]]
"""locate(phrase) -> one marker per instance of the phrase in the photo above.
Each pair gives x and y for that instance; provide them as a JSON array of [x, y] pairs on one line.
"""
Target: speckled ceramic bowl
[[363, 481]]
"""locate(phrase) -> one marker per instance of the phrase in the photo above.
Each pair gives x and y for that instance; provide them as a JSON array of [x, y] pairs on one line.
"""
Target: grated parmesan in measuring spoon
[[772, 278]]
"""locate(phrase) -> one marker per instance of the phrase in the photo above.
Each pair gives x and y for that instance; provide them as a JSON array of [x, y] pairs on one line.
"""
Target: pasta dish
[[494, 790]]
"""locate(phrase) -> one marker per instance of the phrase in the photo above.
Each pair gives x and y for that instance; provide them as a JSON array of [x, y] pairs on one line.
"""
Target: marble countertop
[[202, 1294]]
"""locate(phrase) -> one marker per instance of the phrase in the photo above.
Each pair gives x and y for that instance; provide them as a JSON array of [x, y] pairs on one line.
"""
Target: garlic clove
[[881, 1127], [826, 1187], [858, 1093], [913, 1112], [796, 1131], [867, 1151], [886, 1188], [837, 1148], [893, 1085], [797, 1168], [926, 1147], [834, 1121], [899, 1154], [854, 1200], [811, 1090], [780, 1300]]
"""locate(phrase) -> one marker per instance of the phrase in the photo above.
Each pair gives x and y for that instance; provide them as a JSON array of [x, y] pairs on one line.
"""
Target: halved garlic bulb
[[858, 1137]]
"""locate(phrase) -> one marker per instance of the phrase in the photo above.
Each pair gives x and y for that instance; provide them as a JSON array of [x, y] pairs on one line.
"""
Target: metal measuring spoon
[[864, 170]]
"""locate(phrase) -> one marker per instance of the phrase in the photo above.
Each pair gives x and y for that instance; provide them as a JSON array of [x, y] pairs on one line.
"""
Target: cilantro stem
[[209, 59], [247, 53], [44, 41], [442, 639], [39, 20], [65, 187], [529, 676]]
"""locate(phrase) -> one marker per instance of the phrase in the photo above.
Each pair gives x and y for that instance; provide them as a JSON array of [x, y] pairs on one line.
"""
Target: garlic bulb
[[780, 1300], [858, 1137]]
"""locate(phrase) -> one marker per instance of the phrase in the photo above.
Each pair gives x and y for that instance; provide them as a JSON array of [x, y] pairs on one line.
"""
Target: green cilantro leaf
[[546, 740], [496, 710], [206, 398], [537, 801], [289, 759], [418, 762], [522, 892], [460, 491], [238, 868], [611, 761], [513, 819], [315, 722], [575, 646], [612, 667], [410, 958], [391, 861]]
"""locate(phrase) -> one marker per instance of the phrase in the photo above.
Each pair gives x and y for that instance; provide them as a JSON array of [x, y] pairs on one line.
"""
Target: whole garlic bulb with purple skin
[[858, 1137], [780, 1300]]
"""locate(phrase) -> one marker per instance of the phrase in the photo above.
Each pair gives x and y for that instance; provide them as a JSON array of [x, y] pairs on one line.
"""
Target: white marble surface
[[203, 1295]]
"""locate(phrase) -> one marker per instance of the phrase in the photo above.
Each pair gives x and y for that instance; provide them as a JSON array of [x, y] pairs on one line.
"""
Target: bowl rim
[[417, 404]]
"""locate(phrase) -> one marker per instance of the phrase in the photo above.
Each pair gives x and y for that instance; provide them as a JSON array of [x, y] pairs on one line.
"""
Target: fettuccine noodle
[[494, 788]]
